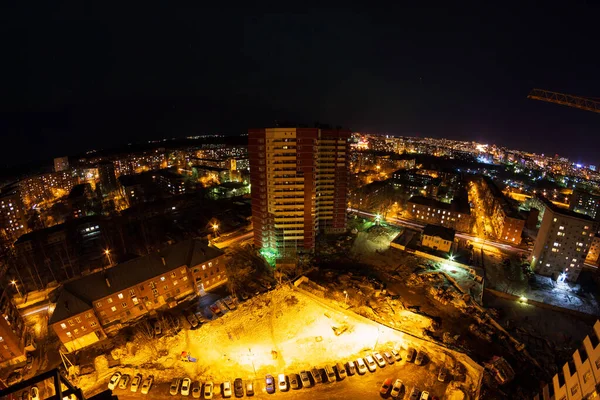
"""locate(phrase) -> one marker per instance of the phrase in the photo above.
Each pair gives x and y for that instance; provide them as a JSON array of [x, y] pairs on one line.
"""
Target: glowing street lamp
[[346, 298], [451, 257], [14, 283], [107, 253]]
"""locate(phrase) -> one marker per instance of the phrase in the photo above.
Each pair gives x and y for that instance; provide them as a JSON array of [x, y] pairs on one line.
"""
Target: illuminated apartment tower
[[299, 180]]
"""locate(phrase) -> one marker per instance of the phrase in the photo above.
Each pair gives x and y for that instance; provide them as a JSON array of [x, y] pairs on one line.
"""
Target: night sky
[[74, 78]]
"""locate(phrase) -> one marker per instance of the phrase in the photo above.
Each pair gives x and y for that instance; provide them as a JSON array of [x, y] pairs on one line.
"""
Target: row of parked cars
[[186, 387], [222, 306], [125, 381]]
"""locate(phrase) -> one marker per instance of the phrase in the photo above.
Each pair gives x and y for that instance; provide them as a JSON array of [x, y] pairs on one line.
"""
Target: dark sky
[[78, 77]]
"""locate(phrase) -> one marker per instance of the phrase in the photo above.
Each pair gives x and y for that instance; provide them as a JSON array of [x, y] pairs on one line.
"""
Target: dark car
[[350, 368], [270, 384], [238, 388], [295, 381], [317, 374], [410, 354], [305, 378]]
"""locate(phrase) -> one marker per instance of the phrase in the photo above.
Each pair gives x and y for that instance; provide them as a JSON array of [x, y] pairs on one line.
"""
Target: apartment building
[[95, 305], [438, 238], [169, 181], [455, 215], [12, 213], [61, 164], [594, 253], [38, 188], [579, 378], [299, 179], [562, 243], [13, 332], [507, 223], [586, 203], [107, 176]]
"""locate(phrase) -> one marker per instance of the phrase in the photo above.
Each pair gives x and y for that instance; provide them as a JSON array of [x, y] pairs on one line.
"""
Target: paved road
[[230, 241], [353, 387]]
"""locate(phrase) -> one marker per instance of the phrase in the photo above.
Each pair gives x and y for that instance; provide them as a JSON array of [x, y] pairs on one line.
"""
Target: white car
[[114, 380], [282, 383], [208, 390], [147, 384], [174, 389], [226, 389], [379, 360], [135, 383], [361, 366], [34, 393], [396, 389], [185, 386], [370, 363], [424, 395]]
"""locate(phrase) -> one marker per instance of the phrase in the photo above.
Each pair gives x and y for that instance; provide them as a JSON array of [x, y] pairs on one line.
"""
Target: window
[[78, 320], [65, 327], [556, 244], [574, 390], [113, 308], [586, 376], [152, 285], [562, 228], [555, 219], [173, 275], [102, 313], [69, 334], [162, 278], [120, 295], [155, 292], [71, 322], [166, 288], [88, 315], [204, 266], [98, 304], [109, 300], [132, 292], [93, 324], [175, 283], [83, 328], [76, 331], [183, 271], [598, 363], [124, 304]]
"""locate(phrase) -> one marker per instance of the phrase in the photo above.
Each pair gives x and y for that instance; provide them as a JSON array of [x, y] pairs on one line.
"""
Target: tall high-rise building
[[562, 243], [585, 203], [107, 176], [299, 180], [12, 213], [61, 164]]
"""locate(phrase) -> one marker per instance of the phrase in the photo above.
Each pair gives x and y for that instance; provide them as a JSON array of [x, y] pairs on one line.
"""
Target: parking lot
[[282, 331]]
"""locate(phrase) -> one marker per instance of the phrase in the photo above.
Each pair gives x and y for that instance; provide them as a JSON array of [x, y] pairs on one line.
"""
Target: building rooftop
[[439, 231], [564, 211], [429, 202], [128, 274], [79, 190], [167, 173], [67, 306]]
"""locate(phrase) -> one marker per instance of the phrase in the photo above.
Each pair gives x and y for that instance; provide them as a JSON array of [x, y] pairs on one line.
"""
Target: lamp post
[[14, 283], [346, 298], [107, 253]]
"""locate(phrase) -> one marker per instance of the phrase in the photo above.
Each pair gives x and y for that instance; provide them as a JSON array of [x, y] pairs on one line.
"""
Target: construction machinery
[[583, 103]]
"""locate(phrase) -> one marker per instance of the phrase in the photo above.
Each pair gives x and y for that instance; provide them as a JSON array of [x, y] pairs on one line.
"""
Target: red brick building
[[299, 180], [97, 304], [12, 331]]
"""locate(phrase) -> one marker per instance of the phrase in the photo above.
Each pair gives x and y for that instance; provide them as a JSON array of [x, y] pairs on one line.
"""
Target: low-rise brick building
[[91, 307]]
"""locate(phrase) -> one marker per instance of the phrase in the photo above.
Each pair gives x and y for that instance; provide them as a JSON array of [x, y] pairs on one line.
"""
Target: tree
[[241, 264]]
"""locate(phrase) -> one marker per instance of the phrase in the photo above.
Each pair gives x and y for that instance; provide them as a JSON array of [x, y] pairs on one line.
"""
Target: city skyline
[[426, 72]]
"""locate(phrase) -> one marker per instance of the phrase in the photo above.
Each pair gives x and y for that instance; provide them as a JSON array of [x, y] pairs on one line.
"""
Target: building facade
[[107, 176], [12, 214], [61, 164], [562, 243], [438, 238], [507, 223], [106, 301], [586, 203], [13, 332], [299, 179], [169, 182], [453, 215]]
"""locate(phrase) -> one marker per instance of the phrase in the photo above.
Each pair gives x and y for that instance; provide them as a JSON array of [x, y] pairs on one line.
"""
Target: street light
[[107, 253], [346, 299], [14, 283]]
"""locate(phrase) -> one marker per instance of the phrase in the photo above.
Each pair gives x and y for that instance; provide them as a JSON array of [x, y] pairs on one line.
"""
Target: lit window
[[69, 334], [204, 266], [113, 308], [556, 244], [64, 326], [562, 228], [98, 304], [109, 300], [120, 295], [555, 219], [162, 278]]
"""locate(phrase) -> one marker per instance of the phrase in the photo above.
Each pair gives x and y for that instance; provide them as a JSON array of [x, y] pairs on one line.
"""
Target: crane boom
[[582, 103]]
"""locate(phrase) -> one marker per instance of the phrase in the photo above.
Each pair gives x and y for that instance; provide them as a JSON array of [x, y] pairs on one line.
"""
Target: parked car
[[379, 359], [361, 367], [329, 374], [114, 380], [396, 355], [414, 394], [388, 357], [196, 389], [442, 374], [410, 354], [282, 382], [305, 378], [270, 384], [420, 357], [226, 389], [317, 375], [34, 393], [147, 384], [370, 363], [229, 303], [174, 389], [385, 386], [238, 387], [157, 329], [185, 386], [215, 309], [249, 388], [341, 371], [191, 318], [135, 382], [424, 395], [124, 381], [396, 388], [351, 368], [294, 381], [208, 390], [221, 306]]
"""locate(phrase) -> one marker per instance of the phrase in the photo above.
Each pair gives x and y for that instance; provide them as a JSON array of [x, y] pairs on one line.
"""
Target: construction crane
[[583, 103]]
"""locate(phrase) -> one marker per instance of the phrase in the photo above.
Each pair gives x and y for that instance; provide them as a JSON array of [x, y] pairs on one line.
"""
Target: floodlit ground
[[282, 331]]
